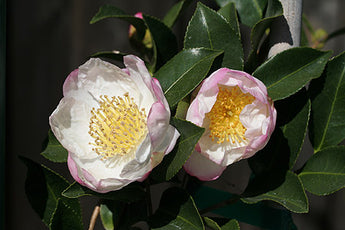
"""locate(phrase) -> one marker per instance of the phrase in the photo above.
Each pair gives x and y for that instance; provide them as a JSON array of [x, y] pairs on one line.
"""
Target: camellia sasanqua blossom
[[114, 123], [238, 117]]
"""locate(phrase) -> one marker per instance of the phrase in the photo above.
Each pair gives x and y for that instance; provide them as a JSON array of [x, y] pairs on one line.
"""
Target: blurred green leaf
[[109, 11], [53, 150], [293, 117], [173, 162], [290, 194], [324, 172], [290, 70], [231, 225], [274, 11], [208, 29], [113, 55], [250, 11], [211, 224], [43, 188], [175, 11], [184, 72], [181, 110], [336, 33], [177, 213], [230, 14], [107, 217], [165, 43], [132, 192], [327, 126]]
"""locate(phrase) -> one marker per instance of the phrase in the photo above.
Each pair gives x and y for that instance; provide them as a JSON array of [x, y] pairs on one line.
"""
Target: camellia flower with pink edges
[[238, 118], [114, 123]]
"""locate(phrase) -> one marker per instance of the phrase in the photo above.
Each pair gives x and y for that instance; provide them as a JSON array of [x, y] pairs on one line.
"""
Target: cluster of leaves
[[213, 40]]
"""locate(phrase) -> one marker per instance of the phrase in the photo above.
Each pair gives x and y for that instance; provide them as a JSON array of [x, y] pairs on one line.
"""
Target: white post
[[286, 32]]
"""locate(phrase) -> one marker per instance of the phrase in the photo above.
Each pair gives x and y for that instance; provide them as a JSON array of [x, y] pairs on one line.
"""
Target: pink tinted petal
[[204, 169], [173, 140], [70, 82], [139, 15], [158, 92], [72, 166]]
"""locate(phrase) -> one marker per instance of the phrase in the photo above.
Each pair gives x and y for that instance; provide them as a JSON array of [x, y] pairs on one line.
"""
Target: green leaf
[[113, 55], [181, 110], [184, 72], [327, 126], [324, 172], [209, 29], [175, 11], [165, 43], [293, 120], [211, 224], [290, 194], [109, 11], [54, 150], [230, 14], [250, 11], [274, 10], [107, 217], [177, 213], [173, 162], [290, 70], [132, 192], [231, 225], [43, 188]]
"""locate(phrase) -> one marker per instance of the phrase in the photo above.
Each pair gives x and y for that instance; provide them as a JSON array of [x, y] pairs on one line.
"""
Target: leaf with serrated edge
[[177, 213], [179, 76], [209, 29], [250, 11], [230, 14], [54, 151], [324, 172], [173, 162], [327, 126], [129, 193], [211, 224], [290, 70], [290, 194], [231, 225]]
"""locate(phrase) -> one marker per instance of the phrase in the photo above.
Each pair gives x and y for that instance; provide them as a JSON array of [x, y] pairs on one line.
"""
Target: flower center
[[224, 116], [116, 126]]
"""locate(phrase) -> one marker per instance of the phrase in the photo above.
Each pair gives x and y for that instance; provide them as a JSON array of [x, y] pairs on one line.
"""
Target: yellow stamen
[[116, 126], [224, 116]]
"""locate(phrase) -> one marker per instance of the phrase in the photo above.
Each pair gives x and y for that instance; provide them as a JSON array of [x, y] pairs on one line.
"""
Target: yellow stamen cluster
[[116, 126], [224, 116]]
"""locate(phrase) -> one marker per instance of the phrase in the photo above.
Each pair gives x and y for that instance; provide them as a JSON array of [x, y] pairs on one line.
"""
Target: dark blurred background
[[46, 40]]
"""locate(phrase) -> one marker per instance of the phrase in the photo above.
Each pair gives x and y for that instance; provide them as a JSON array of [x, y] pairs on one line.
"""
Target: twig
[[94, 217]]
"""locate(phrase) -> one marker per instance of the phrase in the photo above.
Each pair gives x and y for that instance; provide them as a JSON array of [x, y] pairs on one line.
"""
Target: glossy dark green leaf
[[132, 192], [209, 29], [293, 117], [173, 162], [274, 11], [175, 11], [250, 11], [184, 72], [177, 213], [211, 224], [54, 150], [230, 14], [65, 218], [231, 225], [290, 194], [290, 70], [327, 126], [113, 55], [109, 11], [324, 172], [43, 188], [107, 217], [165, 43]]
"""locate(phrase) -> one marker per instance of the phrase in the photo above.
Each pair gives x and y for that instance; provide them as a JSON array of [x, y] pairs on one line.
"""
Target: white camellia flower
[[114, 123], [238, 118]]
